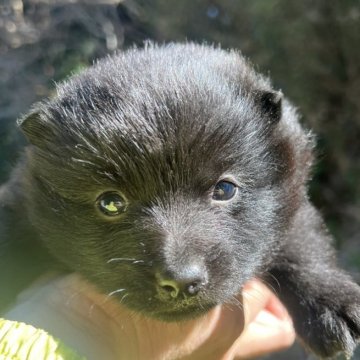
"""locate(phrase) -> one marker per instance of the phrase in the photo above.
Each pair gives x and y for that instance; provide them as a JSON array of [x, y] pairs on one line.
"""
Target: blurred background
[[311, 50]]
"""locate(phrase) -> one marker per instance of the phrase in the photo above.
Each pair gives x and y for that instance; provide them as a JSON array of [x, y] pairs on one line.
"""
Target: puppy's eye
[[111, 203], [224, 190]]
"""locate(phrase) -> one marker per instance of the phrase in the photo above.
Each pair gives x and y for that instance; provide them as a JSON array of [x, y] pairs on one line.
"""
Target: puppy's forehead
[[143, 87], [156, 100], [178, 111], [174, 140]]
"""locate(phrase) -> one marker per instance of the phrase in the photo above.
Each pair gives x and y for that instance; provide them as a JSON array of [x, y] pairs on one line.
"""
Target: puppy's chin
[[189, 313], [176, 311]]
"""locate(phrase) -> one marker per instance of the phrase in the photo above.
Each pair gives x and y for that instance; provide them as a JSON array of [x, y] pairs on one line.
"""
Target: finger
[[256, 296], [275, 307], [267, 333]]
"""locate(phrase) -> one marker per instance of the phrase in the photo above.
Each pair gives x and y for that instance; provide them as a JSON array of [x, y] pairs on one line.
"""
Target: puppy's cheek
[[226, 280]]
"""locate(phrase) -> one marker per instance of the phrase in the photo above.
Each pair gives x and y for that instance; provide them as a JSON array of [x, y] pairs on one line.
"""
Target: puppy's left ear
[[37, 126], [270, 103]]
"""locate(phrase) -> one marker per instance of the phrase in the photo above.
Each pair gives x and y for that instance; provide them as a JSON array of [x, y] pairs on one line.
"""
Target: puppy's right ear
[[270, 103], [37, 127]]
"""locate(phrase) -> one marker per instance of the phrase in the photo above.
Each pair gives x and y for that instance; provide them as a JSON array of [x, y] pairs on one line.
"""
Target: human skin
[[98, 327]]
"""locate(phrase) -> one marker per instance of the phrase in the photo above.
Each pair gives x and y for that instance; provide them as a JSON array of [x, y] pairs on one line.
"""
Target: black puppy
[[170, 176]]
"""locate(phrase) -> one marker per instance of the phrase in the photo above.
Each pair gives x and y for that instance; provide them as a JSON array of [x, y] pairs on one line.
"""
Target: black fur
[[161, 126]]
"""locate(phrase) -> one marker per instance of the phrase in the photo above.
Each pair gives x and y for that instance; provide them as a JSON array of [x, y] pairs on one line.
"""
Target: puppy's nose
[[188, 281]]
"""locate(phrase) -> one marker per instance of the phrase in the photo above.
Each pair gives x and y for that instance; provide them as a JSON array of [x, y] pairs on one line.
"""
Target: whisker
[[122, 299], [115, 292], [235, 301], [255, 295], [228, 307], [276, 291], [121, 259]]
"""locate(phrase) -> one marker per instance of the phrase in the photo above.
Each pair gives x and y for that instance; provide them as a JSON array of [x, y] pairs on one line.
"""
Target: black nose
[[188, 281]]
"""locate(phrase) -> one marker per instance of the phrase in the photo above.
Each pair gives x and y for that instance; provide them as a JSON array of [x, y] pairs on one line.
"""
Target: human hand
[[257, 325], [74, 311]]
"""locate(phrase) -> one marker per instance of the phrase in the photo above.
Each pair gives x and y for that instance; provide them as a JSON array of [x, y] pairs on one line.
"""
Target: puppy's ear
[[36, 127], [270, 103]]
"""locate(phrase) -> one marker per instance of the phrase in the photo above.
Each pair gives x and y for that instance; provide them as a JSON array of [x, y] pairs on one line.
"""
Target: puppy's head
[[166, 176]]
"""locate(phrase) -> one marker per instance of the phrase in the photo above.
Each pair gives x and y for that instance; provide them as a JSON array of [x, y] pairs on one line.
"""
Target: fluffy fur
[[162, 126]]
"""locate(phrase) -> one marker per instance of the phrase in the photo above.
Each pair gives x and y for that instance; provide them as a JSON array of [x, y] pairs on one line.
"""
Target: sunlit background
[[311, 49]]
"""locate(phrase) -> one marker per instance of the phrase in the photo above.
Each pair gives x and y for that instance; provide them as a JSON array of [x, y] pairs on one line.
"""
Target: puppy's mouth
[[168, 311], [181, 307], [182, 314]]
